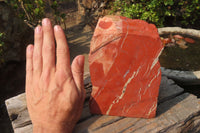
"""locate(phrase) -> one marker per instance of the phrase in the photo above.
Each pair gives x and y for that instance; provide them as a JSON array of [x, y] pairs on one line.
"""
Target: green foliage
[[1, 39], [190, 11], [58, 16], [32, 11], [157, 11]]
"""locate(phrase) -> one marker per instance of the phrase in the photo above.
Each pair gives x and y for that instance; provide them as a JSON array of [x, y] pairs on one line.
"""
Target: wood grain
[[176, 112]]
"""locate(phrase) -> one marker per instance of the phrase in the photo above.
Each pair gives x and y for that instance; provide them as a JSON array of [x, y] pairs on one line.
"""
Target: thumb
[[77, 68]]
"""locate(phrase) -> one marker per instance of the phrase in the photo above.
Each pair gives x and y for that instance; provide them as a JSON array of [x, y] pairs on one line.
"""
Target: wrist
[[52, 128]]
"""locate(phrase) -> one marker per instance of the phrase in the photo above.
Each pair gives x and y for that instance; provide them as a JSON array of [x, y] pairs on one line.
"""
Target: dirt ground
[[79, 44]]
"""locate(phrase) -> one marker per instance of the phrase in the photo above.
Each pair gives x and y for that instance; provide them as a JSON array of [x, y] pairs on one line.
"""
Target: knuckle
[[49, 47], [60, 74], [63, 76], [37, 71], [63, 73], [36, 55], [61, 51], [29, 69], [79, 72]]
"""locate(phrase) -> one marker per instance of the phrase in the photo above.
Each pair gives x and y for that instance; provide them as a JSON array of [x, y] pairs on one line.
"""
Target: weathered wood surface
[[177, 112]]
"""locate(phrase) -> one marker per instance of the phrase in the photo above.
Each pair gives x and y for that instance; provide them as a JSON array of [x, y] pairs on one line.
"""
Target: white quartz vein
[[154, 63], [140, 98], [126, 34], [127, 110], [123, 110], [147, 71], [123, 90], [156, 60], [140, 95], [126, 73], [151, 81], [153, 107], [153, 78]]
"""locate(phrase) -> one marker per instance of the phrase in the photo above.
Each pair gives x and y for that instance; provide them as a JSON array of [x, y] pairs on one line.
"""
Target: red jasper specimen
[[124, 67]]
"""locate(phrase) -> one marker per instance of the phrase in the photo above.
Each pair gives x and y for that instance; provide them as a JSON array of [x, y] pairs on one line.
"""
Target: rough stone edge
[[183, 77]]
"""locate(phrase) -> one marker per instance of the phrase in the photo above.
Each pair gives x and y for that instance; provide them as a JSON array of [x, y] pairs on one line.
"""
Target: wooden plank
[[25, 129], [168, 90], [18, 112], [173, 116]]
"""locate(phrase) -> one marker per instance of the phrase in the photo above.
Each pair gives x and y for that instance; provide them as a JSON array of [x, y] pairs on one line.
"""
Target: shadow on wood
[[176, 112]]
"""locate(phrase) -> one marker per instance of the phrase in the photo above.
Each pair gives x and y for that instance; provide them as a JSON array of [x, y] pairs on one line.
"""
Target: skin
[[54, 89]]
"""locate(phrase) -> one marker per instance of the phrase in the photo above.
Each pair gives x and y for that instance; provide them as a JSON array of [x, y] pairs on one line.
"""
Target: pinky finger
[[29, 64]]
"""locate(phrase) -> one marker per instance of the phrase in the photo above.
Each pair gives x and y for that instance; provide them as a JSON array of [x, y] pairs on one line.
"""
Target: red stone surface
[[189, 40], [178, 36], [124, 67]]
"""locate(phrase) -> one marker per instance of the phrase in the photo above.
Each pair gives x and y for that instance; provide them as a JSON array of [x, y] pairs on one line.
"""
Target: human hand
[[54, 89]]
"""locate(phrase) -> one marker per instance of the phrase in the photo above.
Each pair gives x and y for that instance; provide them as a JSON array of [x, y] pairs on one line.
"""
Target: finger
[[48, 50], [37, 53], [29, 64], [62, 50], [77, 72]]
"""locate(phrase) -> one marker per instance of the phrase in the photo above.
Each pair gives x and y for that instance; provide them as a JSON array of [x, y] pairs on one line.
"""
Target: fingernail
[[81, 61], [46, 21], [38, 29], [30, 48], [57, 27]]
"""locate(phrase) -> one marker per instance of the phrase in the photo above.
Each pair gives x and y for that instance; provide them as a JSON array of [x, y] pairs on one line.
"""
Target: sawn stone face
[[124, 67]]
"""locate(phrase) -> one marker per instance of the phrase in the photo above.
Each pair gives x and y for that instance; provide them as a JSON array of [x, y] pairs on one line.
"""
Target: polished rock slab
[[124, 67]]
